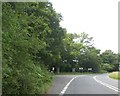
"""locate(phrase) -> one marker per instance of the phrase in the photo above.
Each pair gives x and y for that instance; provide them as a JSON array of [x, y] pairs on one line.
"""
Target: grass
[[75, 73], [115, 75]]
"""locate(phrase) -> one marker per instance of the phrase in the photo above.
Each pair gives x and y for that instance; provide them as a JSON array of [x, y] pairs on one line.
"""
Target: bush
[[107, 67], [29, 80], [22, 74]]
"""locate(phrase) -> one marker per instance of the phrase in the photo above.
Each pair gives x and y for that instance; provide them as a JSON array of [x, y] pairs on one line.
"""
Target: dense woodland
[[33, 42]]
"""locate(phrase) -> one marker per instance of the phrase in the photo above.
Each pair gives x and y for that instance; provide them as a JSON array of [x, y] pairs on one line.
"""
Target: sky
[[98, 18]]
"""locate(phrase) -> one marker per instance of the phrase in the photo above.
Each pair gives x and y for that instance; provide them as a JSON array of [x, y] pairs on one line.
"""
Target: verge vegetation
[[115, 75]]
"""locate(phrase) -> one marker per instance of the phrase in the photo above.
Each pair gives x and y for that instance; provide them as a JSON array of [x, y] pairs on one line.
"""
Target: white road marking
[[107, 85], [65, 88]]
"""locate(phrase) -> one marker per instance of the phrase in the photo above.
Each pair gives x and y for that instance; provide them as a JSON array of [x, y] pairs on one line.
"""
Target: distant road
[[84, 84]]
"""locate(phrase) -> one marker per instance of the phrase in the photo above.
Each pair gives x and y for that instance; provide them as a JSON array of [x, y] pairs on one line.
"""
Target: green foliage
[[107, 67], [78, 51], [30, 80], [91, 59], [109, 57], [24, 36], [33, 42], [109, 60]]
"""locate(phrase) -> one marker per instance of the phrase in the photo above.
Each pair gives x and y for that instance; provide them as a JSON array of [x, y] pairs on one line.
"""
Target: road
[[84, 84]]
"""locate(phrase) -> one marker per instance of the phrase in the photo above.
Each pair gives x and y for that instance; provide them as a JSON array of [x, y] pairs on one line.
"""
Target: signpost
[[119, 66], [73, 69], [53, 69], [89, 69], [81, 69]]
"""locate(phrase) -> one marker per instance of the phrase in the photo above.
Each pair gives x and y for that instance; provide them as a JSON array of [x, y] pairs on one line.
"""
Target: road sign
[[53, 68], [89, 68], [81, 68]]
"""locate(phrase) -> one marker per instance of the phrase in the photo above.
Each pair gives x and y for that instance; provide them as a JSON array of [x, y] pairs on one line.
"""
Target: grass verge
[[75, 73], [115, 75]]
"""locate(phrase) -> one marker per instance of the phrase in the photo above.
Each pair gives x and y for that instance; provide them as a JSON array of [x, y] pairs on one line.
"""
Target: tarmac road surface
[[84, 84]]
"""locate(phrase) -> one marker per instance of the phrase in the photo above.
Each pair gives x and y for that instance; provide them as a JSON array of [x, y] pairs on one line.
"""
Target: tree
[[91, 59], [110, 58], [77, 53], [85, 39], [25, 31]]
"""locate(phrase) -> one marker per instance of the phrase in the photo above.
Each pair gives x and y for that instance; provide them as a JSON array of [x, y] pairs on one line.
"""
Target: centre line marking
[[65, 88]]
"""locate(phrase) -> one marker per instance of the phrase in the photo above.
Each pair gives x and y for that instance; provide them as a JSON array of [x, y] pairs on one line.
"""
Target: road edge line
[[107, 85]]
